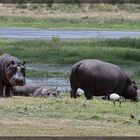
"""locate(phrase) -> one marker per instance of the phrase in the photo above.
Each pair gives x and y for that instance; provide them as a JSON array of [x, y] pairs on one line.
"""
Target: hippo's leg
[[88, 94], [1, 90], [55, 95], [73, 92], [7, 91], [89, 91]]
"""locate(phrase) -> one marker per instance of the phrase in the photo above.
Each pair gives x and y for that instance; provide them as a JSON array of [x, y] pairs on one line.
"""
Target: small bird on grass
[[132, 116]]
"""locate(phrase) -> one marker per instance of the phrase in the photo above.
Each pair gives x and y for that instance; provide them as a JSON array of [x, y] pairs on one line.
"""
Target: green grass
[[42, 74], [122, 51], [67, 117], [63, 23]]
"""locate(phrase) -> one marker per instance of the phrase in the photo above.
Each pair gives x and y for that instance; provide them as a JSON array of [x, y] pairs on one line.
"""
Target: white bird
[[115, 97]]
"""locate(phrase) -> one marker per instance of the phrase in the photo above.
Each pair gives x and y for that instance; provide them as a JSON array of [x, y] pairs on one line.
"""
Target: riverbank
[[71, 16]]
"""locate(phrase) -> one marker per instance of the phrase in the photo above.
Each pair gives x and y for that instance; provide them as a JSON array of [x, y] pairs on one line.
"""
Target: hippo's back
[[97, 68]]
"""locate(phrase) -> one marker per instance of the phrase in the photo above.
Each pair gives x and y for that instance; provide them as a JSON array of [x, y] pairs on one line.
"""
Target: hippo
[[46, 91], [26, 90], [98, 78], [12, 73]]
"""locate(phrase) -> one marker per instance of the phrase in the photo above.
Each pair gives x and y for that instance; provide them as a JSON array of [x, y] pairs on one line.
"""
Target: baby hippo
[[46, 91]]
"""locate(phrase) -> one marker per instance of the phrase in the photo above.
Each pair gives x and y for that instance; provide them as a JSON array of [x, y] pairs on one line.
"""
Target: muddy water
[[63, 83]]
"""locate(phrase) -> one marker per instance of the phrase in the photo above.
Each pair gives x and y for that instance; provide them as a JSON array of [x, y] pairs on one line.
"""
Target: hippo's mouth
[[17, 82]]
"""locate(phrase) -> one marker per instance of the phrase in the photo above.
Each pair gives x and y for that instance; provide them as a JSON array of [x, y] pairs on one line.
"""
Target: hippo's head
[[15, 73], [131, 92]]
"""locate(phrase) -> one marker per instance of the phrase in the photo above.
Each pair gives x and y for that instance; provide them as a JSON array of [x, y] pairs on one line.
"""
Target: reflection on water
[[63, 83]]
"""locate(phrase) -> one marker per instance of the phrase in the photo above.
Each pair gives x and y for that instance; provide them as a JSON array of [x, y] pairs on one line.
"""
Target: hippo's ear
[[23, 62], [133, 82]]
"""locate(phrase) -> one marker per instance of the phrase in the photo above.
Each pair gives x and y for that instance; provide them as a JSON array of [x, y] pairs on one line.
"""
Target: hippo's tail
[[74, 80]]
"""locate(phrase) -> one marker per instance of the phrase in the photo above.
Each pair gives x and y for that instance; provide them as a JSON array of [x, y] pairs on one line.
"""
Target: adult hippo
[[12, 73], [98, 78]]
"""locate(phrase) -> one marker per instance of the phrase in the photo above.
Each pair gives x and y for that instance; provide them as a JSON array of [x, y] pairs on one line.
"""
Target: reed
[[56, 51]]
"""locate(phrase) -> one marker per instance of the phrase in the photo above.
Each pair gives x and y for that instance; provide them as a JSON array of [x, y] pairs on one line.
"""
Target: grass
[[64, 23], [118, 51], [67, 117], [42, 74]]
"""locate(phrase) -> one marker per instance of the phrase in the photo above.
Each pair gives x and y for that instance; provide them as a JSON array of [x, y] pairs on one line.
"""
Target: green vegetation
[[42, 74], [76, 7], [55, 51], [28, 116], [63, 23]]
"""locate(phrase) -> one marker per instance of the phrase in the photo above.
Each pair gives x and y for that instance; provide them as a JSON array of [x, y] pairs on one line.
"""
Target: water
[[30, 33], [63, 83]]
